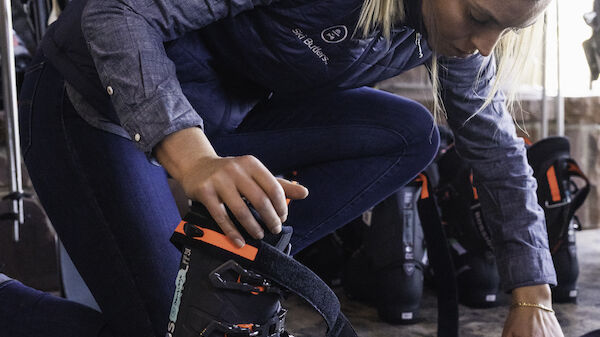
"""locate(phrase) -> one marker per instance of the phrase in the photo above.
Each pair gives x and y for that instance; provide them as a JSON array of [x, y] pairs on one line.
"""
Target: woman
[[224, 94]]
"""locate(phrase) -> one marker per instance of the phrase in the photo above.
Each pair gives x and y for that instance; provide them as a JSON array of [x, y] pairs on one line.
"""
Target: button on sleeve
[[148, 127]]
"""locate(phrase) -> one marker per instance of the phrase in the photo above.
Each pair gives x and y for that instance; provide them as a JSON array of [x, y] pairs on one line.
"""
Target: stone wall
[[582, 127]]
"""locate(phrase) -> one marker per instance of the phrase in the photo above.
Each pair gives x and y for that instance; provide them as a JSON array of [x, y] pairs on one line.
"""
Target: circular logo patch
[[334, 34]]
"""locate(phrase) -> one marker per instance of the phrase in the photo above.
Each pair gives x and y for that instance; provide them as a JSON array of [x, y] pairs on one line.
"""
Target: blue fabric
[[4, 278], [114, 212], [94, 189], [26, 312]]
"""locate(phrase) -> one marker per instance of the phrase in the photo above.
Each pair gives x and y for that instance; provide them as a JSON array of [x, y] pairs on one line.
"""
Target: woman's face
[[461, 27]]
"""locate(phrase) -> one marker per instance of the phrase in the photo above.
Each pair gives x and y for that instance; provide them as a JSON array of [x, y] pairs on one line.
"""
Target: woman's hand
[[218, 181], [531, 321]]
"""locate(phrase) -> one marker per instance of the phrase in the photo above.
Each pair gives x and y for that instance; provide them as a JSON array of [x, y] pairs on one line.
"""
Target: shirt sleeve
[[487, 140], [125, 39]]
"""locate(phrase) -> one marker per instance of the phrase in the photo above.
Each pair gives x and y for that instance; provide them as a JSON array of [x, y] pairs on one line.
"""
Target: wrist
[[539, 294], [182, 150]]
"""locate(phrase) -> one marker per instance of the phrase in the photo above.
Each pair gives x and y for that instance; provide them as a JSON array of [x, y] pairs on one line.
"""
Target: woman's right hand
[[218, 181]]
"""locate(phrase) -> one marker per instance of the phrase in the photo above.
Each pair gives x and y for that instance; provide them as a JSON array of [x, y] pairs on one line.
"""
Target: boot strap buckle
[[275, 327], [230, 275]]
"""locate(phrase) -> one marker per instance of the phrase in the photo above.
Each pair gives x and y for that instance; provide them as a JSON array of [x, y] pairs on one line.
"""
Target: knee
[[425, 148], [404, 126], [431, 145], [424, 136]]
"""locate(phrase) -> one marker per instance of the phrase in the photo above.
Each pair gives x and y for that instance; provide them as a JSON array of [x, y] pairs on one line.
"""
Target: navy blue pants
[[114, 212]]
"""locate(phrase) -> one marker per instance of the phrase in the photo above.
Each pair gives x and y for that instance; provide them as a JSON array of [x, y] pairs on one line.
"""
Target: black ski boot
[[560, 195], [566, 265], [222, 290], [388, 270], [468, 237]]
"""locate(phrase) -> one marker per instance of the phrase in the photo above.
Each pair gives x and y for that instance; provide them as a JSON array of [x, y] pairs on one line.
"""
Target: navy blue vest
[[289, 47]]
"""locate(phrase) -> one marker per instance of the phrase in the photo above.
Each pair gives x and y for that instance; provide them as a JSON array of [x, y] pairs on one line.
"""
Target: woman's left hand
[[531, 321]]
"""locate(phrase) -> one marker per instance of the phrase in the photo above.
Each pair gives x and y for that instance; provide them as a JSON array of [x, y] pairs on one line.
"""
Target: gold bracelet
[[531, 305]]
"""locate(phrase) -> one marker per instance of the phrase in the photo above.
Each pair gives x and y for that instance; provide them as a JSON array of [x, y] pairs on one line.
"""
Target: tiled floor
[[576, 319]]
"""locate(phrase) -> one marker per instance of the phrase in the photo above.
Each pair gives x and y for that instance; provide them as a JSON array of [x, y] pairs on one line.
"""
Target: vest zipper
[[418, 43]]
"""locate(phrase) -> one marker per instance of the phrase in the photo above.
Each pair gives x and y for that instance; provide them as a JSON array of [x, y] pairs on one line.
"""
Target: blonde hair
[[512, 51], [380, 14]]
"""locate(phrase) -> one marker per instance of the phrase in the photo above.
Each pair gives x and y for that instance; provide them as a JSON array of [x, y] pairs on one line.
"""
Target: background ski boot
[[562, 189], [387, 271], [469, 239]]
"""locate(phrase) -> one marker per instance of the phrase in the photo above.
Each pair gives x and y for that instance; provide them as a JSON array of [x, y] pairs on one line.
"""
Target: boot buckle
[[245, 330], [275, 327], [559, 204], [230, 275]]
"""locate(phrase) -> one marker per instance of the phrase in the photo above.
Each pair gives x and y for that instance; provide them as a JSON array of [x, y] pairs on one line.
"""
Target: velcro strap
[[297, 278], [553, 184]]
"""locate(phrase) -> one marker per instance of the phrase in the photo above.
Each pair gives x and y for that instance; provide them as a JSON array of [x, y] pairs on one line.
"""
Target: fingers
[[218, 212], [263, 204], [292, 189], [223, 183], [245, 177], [232, 198], [275, 193]]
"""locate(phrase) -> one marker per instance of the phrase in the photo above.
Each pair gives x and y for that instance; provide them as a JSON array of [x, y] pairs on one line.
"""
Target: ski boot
[[388, 270], [562, 189], [468, 236], [222, 290]]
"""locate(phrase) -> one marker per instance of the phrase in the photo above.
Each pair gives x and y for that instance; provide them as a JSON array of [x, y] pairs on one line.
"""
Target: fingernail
[[276, 230], [260, 235], [239, 242]]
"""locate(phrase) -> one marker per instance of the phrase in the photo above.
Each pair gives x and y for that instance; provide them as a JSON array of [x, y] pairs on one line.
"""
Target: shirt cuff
[[152, 124], [531, 266]]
